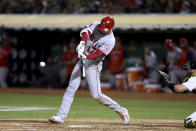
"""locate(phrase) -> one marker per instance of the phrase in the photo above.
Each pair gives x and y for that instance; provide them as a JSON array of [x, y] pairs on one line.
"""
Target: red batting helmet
[[168, 44], [107, 23]]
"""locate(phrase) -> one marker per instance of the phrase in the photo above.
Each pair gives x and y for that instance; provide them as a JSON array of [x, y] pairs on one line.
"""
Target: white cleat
[[125, 116], [56, 119]]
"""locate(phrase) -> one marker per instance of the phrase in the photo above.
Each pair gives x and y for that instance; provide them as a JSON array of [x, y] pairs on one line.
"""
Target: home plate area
[[91, 124]]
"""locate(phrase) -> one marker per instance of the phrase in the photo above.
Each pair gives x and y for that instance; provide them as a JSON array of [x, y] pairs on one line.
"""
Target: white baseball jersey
[[98, 40], [150, 60], [190, 83]]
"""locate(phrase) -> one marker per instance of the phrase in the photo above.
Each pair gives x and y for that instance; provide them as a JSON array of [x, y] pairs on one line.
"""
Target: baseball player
[[97, 41], [173, 55], [117, 61], [150, 62], [189, 84], [5, 53]]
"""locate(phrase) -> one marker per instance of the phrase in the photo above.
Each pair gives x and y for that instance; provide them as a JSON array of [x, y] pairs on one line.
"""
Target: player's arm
[[174, 87], [95, 54], [85, 34], [180, 88]]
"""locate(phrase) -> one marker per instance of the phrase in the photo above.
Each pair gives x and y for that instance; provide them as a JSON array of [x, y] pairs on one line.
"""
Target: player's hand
[[81, 55], [80, 47]]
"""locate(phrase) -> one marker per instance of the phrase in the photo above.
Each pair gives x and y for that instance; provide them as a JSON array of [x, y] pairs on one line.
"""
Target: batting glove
[[82, 55], [80, 47]]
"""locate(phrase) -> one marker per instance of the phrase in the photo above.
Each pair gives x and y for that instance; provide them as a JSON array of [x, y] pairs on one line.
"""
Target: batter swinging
[[97, 41]]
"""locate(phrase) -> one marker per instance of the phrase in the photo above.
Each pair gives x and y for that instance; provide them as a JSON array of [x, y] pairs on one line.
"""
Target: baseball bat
[[82, 70]]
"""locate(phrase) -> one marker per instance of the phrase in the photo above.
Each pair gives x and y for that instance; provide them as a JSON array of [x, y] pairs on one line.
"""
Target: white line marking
[[13, 108], [21, 129], [80, 126]]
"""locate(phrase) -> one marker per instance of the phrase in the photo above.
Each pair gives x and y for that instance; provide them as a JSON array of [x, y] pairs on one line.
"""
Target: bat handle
[[82, 68], [83, 72]]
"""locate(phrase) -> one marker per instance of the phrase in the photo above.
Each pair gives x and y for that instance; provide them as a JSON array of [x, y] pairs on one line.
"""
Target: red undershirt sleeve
[[94, 54]]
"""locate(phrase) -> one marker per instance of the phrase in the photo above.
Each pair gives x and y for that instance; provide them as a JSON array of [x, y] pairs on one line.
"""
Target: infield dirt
[[92, 125]]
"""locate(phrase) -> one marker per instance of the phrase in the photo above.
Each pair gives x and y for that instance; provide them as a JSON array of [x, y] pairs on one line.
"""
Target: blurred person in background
[[5, 56], [194, 49], [173, 56], [186, 55], [170, 7], [69, 60], [187, 51], [193, 6], [117, 61], [162, 6], [185, 8], [150, 66], [49, 7], [150, 6]]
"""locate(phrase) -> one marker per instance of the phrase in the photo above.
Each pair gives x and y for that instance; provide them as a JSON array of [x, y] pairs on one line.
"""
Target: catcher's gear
[[166, 80], [106, 24], [188, 123]]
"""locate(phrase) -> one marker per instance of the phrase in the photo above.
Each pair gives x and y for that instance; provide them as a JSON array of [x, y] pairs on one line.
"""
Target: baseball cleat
[[56, 119], [125, 116]]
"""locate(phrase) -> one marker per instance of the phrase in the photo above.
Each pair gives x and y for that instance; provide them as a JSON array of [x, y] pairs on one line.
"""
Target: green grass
[[83, 107]]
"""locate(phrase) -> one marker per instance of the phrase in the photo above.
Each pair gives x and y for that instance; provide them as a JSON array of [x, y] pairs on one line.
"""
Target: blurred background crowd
[[96, 6]]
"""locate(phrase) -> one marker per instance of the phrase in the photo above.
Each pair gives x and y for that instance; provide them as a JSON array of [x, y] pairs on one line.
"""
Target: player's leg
[[3, 74], [93, 79], [68, 96]]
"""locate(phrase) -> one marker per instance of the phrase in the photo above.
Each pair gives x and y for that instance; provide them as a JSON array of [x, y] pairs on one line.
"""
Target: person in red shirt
[[187, 52], [5, 52], [117, 61], [70, 58]]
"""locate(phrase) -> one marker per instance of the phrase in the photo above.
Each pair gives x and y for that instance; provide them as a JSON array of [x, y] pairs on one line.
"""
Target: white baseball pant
[[92, 69]]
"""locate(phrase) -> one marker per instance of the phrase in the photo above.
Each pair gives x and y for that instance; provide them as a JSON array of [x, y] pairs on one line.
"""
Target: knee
[[96, 97]]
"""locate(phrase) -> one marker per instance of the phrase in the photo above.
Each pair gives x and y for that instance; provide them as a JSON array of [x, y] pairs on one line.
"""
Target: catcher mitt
[[165, 78]]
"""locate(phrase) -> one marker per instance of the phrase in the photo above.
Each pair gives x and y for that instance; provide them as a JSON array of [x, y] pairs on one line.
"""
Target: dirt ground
[[97, 124], [92, 125]]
